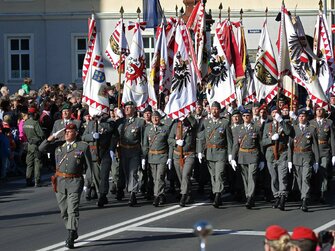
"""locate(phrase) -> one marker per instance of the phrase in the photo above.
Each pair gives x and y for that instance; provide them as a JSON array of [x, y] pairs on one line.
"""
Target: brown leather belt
[[323, 142], [129, 146], [248, 150], [215, 146], [301, 150], [158, 151], [68, 175], [184, 153]]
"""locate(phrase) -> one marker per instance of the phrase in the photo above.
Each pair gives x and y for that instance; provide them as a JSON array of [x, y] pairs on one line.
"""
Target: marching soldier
[[130, 129], [304, 154], [35, 136], [182, 142], [68, 181], [325, 133], [246, 150], [275, 140], [155, 150], [217, 137]]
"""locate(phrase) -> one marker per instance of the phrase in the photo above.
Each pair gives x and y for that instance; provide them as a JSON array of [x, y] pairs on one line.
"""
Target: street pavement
[[30, 220]]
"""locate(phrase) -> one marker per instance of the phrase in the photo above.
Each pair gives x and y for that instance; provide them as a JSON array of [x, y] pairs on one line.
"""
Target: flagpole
[[220, 9], [119, 82]]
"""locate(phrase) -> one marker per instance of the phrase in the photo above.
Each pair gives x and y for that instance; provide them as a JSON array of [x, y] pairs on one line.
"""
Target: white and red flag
[[301, 62], [183, 90], [117, 47], [93, 74], [136, 85], [266, 73], [220, 85], [322, 47]]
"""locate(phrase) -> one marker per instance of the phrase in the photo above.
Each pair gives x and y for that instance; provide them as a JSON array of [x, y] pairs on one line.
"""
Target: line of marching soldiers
[[215, 141]]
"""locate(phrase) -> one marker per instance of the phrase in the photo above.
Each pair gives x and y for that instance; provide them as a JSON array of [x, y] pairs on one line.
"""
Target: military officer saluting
[[304, 154], [247, 146], [275, 140], [71, 159], [326, 140], [155, 150], [217, 137]]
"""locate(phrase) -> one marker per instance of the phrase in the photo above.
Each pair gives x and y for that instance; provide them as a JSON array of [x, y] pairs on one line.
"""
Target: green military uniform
[[183, 156], [155, 149], [35, 135], [216, 143], [61, 123]]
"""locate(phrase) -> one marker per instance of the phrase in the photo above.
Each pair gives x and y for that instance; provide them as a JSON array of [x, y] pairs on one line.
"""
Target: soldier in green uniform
[[155, 150], [304, 154], [216, 143], [71, 159], [35, 136], [326, 140], [131, 129], [182, 149], [275, 140], [246, 150]]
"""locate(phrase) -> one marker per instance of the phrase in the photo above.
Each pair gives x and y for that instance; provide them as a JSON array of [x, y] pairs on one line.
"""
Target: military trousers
[[130, 166], [216, 170], [117, 176], [184, 173], [34, 163], [323, 172], [303, 175], [249, 172], [158, 173], [68, 204], [279, 175]]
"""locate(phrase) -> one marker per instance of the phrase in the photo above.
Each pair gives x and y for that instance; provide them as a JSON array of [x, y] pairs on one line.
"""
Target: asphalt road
[[30, 220]]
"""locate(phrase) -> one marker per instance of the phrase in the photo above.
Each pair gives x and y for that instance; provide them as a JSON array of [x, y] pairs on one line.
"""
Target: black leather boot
[[156, 201], [217, 200], [250, 203], [182, 202], [119, 195], [282, 203], [304, 205], [102, 200], [276, 202], [69, 243], [29, 182], [132, 201]]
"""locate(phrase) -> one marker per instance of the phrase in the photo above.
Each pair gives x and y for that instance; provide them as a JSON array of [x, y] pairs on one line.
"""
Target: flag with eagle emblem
[[183, 89], [94, 81]]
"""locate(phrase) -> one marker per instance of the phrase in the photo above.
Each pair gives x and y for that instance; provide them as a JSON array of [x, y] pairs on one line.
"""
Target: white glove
[[278, 117], [261, 165], [200, 157], [290, 166], [230, 109], [316, 167], [143, 164], [58, 133], [333, 160], [169, 163], [233, 164], [292, 115], [275, 136], [95, 135], [112, 154], [118, 113], [180, 142], [230, 158]]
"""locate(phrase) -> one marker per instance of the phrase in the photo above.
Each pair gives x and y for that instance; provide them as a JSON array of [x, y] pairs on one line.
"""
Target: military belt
[[184, 153], [67, 175], [215, 146], [129, 146], [301, 150], [323, 142], [247, 150], [157, 151]]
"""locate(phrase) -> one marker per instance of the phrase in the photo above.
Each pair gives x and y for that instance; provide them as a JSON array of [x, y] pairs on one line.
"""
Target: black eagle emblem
[[181, 74], [217, 69]]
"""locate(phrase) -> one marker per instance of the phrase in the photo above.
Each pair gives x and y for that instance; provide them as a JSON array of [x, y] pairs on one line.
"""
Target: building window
[[80, 51], [149, 49], [19, 57]]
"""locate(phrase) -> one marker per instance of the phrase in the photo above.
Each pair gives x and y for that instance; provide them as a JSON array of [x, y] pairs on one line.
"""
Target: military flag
[[183, 90], [117, 47], [152, 13], [93, 74]]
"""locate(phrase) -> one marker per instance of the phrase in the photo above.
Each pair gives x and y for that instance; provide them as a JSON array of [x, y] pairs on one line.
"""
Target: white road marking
[[325, 226]]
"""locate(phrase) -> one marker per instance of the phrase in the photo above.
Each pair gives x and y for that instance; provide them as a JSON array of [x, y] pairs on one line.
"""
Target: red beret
[[285, 107], [263, 107], [300, 233], [274, 232], [71, 126], [32, 110]]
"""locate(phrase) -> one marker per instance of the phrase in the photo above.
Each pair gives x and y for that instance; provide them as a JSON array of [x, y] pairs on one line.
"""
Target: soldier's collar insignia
[[74, 145]]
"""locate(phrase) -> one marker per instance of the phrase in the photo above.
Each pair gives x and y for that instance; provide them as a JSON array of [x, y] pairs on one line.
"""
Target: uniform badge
[[254, 135], [308, 141], [308, 135]]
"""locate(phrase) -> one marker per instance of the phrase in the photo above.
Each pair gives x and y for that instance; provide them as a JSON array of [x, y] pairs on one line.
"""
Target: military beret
[[148, 109], [282, 99], [317, 106], [66, 106], [156, 113], [301, 233], [71, 126], [235, 112], [199, 102], [274, 108], [246, 111], [285, 107], [129, 103], [302, 111], [216, 104], [274, 232], [263, 107], [111, 106], [32, 110], [256, 104]]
